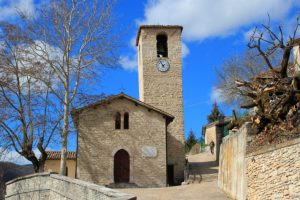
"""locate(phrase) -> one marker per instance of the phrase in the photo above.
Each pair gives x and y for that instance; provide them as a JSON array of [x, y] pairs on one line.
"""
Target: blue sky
[[213, 30]]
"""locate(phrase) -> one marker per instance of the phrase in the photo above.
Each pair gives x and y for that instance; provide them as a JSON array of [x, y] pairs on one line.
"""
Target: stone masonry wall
[[46, 186], [273, 172], [164, 89], [270, 173], [98, 141], [232, 165]]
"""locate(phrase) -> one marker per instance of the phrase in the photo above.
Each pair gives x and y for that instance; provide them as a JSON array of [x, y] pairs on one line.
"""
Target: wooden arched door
[[121, 166]]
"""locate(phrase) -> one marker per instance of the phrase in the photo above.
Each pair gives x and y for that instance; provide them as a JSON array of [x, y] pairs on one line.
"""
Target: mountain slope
[[9, 171]]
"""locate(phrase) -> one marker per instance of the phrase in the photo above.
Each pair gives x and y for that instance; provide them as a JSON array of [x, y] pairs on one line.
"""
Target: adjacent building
[[214, 132], [52, 163]]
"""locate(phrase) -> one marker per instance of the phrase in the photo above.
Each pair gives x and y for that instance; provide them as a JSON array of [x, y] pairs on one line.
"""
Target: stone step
[[209, 178], [122, 185]]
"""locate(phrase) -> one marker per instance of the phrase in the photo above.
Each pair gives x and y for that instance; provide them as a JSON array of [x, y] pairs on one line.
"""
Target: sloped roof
[[56, 155], [124, 96], [223, 122], [154, 26]]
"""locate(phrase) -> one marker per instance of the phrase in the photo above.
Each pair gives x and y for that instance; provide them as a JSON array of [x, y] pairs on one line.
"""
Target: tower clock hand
[[161, 63]]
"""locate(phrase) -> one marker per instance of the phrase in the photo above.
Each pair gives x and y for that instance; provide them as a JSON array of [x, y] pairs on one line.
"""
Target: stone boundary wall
[[55, 187], [232, 165], [273, 172]]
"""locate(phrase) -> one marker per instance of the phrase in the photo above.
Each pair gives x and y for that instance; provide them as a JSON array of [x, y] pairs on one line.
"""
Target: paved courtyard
[[206, 190], [201, 191]]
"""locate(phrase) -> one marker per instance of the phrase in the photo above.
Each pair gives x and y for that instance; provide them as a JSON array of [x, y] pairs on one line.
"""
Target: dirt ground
[[205, 190]]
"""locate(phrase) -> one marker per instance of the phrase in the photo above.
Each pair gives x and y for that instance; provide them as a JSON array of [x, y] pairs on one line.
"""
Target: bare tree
[[73, 40], [275, 91], [27, 119], [240, 67]]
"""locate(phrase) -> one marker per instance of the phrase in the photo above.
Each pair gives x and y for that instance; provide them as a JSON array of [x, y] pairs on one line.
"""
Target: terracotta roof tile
[[55, 155]]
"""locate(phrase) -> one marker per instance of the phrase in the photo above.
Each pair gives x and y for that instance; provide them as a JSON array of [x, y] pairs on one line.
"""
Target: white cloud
[[129, 63], [248, 34], [36, 54], [9, 8], [206, 18], [216, 95], [185, 50], [15, 157]]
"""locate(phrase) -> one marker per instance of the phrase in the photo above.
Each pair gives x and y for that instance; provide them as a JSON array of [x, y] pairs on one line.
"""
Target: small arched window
[[126, 120], [162, 45], [118, 121]]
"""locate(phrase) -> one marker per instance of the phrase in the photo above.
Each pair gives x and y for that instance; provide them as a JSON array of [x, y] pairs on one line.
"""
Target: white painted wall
[[296, 52]]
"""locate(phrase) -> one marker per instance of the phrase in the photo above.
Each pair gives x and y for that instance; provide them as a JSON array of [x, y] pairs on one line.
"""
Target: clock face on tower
[[163, 65]]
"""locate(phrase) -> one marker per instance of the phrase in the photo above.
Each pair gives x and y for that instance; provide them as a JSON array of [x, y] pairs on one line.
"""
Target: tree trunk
[[64, 141], [44, 155], [34, 161]]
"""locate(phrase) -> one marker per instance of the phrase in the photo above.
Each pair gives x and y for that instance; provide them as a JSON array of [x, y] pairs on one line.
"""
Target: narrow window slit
[[118, 121], [126, 120]]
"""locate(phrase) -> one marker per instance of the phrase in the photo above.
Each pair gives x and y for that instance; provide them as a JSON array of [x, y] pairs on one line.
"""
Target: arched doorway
[[121, 167]]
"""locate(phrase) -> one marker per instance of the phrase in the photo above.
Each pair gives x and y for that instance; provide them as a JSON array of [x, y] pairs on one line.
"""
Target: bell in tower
[[162, 45]]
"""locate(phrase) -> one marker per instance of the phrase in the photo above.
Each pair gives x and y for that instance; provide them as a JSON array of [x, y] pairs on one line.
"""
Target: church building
[[138, 141]]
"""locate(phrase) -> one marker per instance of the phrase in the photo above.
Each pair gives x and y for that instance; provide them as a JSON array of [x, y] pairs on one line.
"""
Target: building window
[[118, 121], [162, 45], [126, 120]]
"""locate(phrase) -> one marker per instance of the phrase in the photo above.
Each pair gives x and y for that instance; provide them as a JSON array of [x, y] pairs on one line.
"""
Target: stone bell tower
[[160, 85]]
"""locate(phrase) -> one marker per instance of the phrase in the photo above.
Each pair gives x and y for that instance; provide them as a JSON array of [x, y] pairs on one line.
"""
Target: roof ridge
[[112, 97]]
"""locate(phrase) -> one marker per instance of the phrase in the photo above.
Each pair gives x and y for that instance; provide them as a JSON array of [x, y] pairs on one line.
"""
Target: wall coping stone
[[104, 190], [115, 194], [29, 176], [272, 147]]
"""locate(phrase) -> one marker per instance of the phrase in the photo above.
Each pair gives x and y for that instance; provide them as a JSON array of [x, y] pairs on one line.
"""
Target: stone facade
[[98, 142], [273, 172], [164, 89], [46, 186]]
